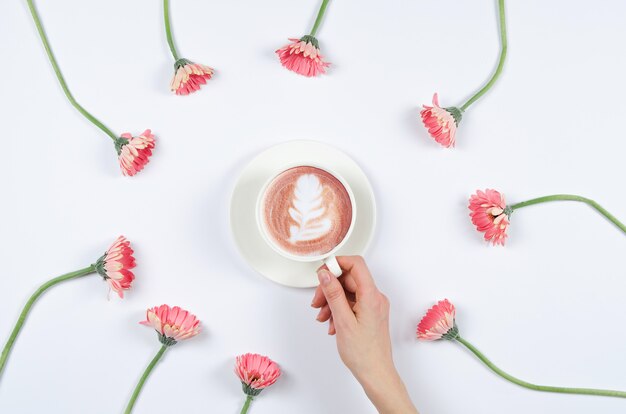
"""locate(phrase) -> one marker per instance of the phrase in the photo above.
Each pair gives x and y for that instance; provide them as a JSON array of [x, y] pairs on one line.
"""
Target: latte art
[[306, 211]]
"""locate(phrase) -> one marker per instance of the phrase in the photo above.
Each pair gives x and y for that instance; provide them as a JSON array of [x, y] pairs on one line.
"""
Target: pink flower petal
[[488, 214], [302, 58]]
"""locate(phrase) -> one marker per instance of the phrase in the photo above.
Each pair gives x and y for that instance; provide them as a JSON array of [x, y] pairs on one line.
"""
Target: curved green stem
[[246, 405], [503, 49], [59, 75], [168, 28], [320, 16], [142, 380], [570, 197], [545, 388], [22, 318]]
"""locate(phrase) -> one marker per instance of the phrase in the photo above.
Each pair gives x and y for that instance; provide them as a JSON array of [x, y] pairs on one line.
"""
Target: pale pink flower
[[256, 372], [189, 76], [438, 323], [172, 324], [441, 122], [490, 215], [134, 152], [303, 56], [114, 266]]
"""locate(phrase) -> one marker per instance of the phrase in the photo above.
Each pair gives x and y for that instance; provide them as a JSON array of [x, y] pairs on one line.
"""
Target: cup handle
[[333, 266]]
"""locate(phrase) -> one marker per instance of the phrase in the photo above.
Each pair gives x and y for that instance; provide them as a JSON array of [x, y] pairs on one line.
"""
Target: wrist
[[387, 392]]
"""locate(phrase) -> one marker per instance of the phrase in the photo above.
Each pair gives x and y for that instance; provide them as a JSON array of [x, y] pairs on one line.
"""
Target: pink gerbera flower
[[134, 152], [189, 76], [441, 122], [490, 215], [256, 372], [303, 56], [438, 323], [114, 266], [172, 324]]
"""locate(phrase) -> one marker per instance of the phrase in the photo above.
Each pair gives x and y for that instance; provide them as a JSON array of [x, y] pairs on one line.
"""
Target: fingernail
[[324, 276]]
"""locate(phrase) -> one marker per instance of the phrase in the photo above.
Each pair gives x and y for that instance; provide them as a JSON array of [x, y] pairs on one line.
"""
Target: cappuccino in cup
[[306, 213]]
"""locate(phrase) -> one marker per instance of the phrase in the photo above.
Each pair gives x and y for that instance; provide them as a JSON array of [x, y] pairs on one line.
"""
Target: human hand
[[358, 314]]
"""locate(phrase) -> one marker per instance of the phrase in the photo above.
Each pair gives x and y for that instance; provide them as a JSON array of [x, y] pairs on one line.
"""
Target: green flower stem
[[142, 380], [246, 405], [59, 75], [503, 49], [569, 197], [168, 29], [22, 318], [320, 16], [545, 388]]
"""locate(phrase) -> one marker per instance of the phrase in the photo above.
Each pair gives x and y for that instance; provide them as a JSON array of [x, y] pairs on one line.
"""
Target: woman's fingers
[[348, 282], [331, 327], [324, 314], [360, 278], [336, 299], [319, 299]]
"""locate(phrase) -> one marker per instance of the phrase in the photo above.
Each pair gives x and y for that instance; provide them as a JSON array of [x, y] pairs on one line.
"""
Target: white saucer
[[268, 164]]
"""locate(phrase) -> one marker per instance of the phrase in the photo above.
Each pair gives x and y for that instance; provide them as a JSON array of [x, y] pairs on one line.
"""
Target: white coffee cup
[[327, 258]]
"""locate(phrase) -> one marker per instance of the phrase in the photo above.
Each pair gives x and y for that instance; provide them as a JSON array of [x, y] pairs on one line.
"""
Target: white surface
[[547, 308], [251, 184]]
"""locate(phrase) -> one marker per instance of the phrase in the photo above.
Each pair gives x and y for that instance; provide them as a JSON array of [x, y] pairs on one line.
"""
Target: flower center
[[496, 214]]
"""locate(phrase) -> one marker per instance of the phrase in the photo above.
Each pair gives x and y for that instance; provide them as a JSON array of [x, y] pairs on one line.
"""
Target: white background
[[548, 307]]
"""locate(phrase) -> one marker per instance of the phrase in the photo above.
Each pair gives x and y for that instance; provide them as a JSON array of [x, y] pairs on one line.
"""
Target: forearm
[[388, 393]]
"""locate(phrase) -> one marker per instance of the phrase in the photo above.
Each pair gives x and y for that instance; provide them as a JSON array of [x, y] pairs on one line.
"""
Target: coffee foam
[[306, 211]]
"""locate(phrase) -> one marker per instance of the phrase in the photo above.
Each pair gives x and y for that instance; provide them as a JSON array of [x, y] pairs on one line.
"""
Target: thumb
[[336, 297]]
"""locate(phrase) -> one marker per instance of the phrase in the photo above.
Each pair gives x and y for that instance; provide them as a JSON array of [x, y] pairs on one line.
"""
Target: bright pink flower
[[438, 323], [189, 76], [256, 372], [114, 266], [134, 152], [172, 324], [303, 56], [441, 122], [490, 215]]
